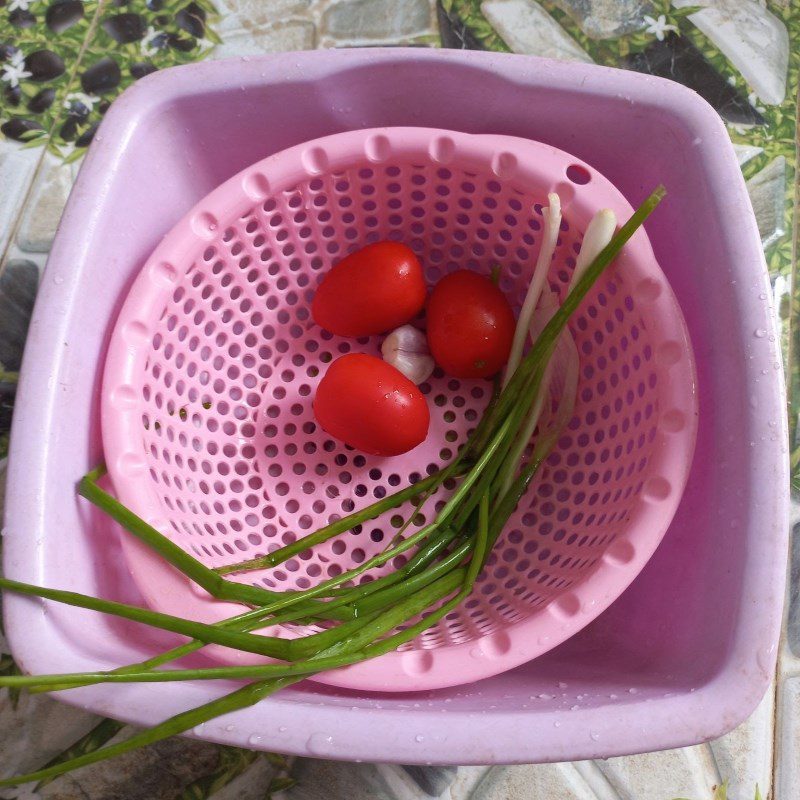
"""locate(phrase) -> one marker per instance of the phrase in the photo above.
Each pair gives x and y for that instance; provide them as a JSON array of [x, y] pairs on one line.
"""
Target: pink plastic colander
[[207, 422]]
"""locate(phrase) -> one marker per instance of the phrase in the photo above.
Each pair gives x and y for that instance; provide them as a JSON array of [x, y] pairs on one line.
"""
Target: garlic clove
[[406, 349]]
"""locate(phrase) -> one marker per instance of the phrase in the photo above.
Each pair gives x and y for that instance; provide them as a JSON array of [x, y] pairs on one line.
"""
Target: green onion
[[340, 526]]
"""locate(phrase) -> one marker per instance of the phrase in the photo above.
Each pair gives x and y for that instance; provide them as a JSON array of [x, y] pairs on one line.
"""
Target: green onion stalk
[[359, 622]]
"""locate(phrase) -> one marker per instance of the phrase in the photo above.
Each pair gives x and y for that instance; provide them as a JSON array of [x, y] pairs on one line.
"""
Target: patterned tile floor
[[62, 63]]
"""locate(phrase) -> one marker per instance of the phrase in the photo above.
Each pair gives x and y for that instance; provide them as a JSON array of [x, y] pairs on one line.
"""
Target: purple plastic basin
[[688, 650]]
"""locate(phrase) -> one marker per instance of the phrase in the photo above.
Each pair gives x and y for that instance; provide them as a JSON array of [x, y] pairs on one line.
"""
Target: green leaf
[[76, 154], [26, 136], [280, 784], [233, 761], [678, 13], [206, 5], [88, 743], [758, 794], [722, 791], [29, 90], [482, 29], [37, 142], [213, 36], [278, 761]]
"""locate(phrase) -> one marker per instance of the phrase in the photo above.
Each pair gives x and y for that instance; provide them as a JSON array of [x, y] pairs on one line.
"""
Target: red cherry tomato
[[373, 290], [368, 404], [470, 325]]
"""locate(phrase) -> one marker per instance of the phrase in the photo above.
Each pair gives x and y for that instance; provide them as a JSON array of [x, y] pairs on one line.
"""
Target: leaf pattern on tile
[[56, 84], [39, 44]]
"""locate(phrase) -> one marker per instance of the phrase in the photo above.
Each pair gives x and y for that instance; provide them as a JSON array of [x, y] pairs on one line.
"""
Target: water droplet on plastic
[[764, 658], [633, 691], [58, 280], [230, 728], [594, 736], [556, 724], [254, 740], [545, 696], [419, 738], [759, 333], [762, 296], [319, 743], [562, 685], [282, 729], [574, 708], [613, 696], [199, 728]]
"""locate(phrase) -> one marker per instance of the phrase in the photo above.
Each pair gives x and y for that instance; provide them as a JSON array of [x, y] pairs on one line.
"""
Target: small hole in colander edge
[[578, 174]]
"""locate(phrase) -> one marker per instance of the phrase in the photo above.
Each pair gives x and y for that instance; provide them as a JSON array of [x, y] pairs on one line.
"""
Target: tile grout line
[[774, 734], [482, 780], [28, 194], [795, 273], [783, 646], [597, 781], [783, 649], [790, 355], [719, 778]]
